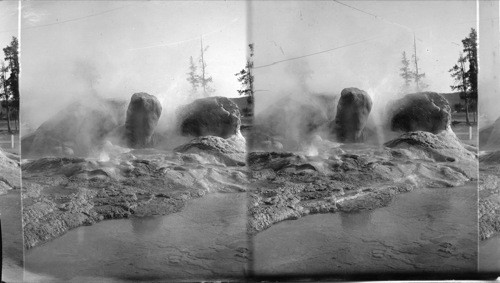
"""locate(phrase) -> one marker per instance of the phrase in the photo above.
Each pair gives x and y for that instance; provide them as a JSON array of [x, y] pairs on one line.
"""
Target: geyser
[[423, 111], [211, 116], [143, 113], [352, 113]]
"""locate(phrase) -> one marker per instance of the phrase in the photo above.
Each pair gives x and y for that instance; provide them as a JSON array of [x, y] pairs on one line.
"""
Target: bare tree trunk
[[203, 82], [465, 94], [8, 118], [417, 78], [467, 111]]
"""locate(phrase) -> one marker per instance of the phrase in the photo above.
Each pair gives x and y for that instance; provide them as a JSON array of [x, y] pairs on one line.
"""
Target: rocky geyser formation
[[353, 110], [212, 116], [143, 113], [215, 124], [10, 172], [79, 129], [489, 181], [83, 128], [60, 194], [287, 185], [489, 195], [63, 193], [424, 111]]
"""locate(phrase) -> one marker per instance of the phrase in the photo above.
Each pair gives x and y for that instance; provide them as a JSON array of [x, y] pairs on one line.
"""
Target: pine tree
[[459, 74], [204, 79], [12, 57], [193, 77], [470, 50], [406, 74], [5, 94], [466, 79], [245, 76]]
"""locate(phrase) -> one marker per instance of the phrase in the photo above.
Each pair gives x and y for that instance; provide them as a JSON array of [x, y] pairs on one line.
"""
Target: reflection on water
[[145, 225], [489, 255], [425, 230], [207, 239]]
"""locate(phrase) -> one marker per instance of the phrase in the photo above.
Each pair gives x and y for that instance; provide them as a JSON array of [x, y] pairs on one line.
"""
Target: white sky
[[117, 48], [72, 47], [8, 24], [286, 29]]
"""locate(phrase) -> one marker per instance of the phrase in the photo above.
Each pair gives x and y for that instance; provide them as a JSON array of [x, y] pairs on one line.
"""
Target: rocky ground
[[10, 213], [61, 193], [489, 185], [489, 194], [286, 185]]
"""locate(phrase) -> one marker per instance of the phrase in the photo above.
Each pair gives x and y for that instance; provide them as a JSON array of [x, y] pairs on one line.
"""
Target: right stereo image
[[371, 137], [489, 140]]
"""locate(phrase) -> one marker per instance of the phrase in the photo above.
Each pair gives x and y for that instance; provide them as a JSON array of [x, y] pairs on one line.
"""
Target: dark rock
[[143, 113], [353, 110], [211, 116], [423, 111], [80, 129]]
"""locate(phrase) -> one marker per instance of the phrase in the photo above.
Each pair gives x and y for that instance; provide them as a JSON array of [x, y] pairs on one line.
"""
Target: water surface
[[207, 239], [425, 230], [489, 255], [12, 238]]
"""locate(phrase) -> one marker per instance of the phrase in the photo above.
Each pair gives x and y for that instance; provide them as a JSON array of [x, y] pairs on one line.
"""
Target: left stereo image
[[133, 141], [11, 244]]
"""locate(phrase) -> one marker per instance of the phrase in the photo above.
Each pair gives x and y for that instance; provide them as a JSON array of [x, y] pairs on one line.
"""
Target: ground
[[341, 178], [60, 194], [489, 195], [10, 208], [353, 179]]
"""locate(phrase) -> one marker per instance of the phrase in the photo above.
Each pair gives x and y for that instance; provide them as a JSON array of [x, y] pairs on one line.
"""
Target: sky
[[377, 32], [489, 62], [8, 24], [72, 49]]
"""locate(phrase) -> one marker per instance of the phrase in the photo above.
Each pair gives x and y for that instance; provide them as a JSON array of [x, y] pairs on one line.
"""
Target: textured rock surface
[[10, 213], [79, 129], [10, 172], [423, 111], [230, 151], [63, 193], [288, 185], [353, 110], [489, 195], [143, 113], [443, 147], [212, 116]]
